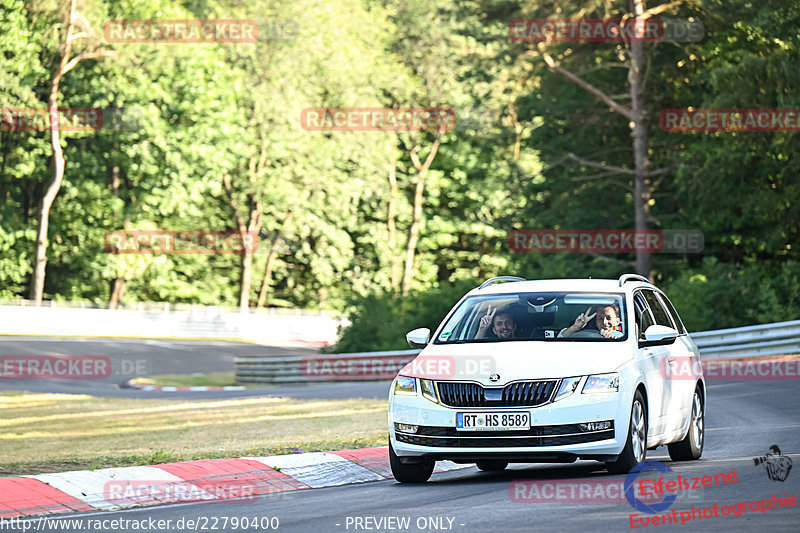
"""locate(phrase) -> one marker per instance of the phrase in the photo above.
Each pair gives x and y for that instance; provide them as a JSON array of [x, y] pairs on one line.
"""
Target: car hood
[[514, 361]]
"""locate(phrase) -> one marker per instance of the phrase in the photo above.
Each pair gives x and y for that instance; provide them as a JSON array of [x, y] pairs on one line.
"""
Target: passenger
[[607, 321], [502, 325]]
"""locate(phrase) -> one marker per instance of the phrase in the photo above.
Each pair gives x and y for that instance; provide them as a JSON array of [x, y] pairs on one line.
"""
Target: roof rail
[[492, 281], [631, 277]]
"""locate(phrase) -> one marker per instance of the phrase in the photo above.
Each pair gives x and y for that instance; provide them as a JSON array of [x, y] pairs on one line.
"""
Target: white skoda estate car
[[548, 371]]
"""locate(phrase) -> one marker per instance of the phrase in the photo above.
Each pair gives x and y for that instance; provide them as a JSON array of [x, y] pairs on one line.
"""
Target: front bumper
[[554, 435]]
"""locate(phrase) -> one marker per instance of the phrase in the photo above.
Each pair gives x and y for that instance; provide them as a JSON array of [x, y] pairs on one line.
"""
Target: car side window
[[643, 317], [672, 313], [659, 313]]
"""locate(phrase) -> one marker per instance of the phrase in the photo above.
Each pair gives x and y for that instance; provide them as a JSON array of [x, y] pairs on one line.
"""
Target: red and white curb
[[240, 479]]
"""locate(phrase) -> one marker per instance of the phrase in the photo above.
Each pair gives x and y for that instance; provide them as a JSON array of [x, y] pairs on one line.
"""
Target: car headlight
[[568, 386], [405, 386], [428, 390], [601, 383]]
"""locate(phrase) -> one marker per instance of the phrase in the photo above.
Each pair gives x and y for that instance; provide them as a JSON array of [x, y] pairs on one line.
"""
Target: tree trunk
[[413, 234], [117, 291], [117, 285], [413, 231], [517, 127], [641, 182], [43, 219], [253, 227], [392, 224], [247, 274], [273, 255]]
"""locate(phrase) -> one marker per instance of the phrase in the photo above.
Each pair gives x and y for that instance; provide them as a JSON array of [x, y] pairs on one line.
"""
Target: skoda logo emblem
[[494, 377]]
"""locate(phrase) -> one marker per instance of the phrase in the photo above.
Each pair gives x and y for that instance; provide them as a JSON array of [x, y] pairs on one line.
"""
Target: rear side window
[[659, 313], [672, 312]]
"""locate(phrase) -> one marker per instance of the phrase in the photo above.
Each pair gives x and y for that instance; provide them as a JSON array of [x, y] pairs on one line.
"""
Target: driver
[[502, 324], [607, 320]]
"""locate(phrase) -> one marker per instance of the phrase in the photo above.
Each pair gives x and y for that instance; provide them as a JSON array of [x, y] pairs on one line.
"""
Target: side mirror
[[418, 338], [657, 335]]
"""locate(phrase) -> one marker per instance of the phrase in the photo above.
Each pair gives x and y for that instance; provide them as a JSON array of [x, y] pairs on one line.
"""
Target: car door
[[685, 354], [653, 360], [676, 401]]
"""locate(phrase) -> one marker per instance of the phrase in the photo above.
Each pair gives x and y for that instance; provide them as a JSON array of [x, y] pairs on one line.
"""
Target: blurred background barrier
[[781, 338], [267, 326], [360, 366]]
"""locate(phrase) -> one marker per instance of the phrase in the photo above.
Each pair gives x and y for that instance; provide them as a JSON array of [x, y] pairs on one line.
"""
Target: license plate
[[498, 421]]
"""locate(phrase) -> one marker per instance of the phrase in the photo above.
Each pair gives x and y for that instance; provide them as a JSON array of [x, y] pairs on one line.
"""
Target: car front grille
[[517, 394], [536, 436], [535, 431]]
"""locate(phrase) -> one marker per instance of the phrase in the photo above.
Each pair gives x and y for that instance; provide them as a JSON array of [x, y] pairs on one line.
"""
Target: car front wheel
[[636, 444], [691, 447], [409, 473]]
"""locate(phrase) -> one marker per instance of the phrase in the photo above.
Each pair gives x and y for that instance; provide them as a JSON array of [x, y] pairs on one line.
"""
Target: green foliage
[[380, 322], [197, 112], [719, 295]]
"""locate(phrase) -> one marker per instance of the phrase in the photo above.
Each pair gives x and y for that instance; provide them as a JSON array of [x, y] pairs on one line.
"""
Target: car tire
[[691, 447], [635, 449], [409, 473], [492, 465]]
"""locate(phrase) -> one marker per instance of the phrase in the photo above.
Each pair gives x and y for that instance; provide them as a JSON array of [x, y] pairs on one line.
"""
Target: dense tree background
[[336, 209]]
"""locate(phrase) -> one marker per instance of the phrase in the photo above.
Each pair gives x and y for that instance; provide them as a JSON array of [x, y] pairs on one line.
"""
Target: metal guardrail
[[296, 368], [780, 338]]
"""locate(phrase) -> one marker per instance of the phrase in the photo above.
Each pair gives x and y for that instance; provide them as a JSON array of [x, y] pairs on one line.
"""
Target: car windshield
[[537, 316]]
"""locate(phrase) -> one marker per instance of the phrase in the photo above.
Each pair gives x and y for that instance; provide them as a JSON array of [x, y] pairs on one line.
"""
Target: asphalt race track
[[744, 419], [149, 357]]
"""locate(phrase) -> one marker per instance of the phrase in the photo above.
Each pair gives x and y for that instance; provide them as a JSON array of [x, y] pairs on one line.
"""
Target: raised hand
[[486, 321], [583, 319], [610, 333]]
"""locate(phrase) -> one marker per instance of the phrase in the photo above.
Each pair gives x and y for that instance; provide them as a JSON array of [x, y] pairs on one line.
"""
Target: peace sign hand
[[486, 321], [583, 319]]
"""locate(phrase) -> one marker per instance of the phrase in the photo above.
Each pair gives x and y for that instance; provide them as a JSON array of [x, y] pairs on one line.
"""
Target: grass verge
[[57, 432]]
